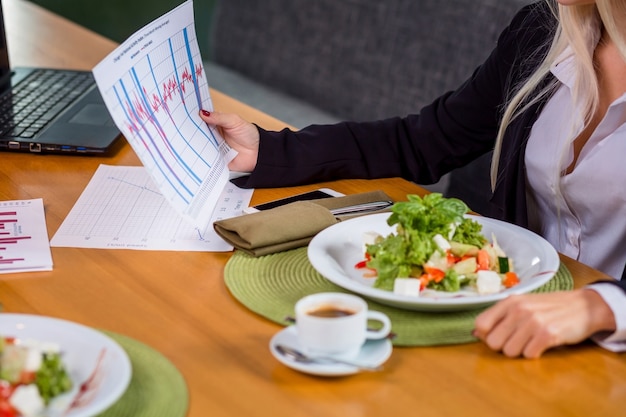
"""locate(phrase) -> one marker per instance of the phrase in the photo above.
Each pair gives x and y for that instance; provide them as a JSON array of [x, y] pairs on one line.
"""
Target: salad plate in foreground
[[98, 369], [336, 251]]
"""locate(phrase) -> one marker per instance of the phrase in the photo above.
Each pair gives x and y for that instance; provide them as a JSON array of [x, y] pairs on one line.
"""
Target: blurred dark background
[[118, 19]]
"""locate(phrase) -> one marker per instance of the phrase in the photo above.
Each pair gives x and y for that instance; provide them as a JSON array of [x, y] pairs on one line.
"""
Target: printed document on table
[[122, 208], [24, 243], [154, 86]]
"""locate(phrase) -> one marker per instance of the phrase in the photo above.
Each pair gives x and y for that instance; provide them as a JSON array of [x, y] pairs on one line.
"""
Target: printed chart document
[[122, 208], [24, 243], [154, 86]]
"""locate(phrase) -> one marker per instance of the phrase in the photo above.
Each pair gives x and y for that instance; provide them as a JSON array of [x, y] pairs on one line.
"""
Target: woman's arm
[[452, 131]]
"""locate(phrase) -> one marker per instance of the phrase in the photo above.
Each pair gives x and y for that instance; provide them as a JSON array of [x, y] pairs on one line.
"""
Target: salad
[[436, 247], [32, 374]]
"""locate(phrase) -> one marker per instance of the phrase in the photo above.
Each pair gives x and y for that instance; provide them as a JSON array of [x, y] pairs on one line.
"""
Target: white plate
[[81, 347], [335, 251], [373, 352]]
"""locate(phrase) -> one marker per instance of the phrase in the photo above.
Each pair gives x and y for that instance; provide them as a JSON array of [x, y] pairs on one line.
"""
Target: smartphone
[[311, 195]]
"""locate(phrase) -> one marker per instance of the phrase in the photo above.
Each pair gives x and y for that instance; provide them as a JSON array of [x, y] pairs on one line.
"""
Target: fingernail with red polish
[[206, 113]]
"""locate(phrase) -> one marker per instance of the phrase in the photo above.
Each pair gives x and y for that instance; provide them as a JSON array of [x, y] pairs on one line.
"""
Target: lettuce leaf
[[417, 221]]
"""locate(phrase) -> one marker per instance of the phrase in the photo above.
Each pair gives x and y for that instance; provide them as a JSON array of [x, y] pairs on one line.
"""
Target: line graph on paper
[[122, 208], [154, 85]]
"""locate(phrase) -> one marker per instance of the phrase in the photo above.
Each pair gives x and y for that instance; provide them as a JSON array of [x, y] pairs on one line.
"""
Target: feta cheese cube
[[369, 238], [34, 358], [407, 286], [35, 350], [441, 241], [488, 282], [27, 401]]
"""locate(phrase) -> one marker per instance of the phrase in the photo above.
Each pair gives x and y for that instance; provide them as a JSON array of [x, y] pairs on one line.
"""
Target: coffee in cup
[[337, 324]]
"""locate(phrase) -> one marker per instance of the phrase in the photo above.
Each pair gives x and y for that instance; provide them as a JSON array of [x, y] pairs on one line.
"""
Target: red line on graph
[[170, 88], [8, 213]]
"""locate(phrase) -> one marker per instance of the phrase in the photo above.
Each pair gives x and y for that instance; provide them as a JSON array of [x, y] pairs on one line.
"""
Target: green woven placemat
[[156, 389], [270, 286]]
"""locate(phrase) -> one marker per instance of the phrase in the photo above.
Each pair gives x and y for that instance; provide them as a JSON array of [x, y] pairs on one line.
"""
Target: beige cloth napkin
[[289, 226]]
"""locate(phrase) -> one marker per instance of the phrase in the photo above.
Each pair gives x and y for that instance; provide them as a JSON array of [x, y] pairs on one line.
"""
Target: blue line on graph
[[195, 82], [211, 139], [161, 157], [152, 116], [148, 109], [200, 237], [180, 90], [196, 88], [142, 140]]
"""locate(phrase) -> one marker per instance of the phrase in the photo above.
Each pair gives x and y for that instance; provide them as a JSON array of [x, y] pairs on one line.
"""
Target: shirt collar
[[564, 69]]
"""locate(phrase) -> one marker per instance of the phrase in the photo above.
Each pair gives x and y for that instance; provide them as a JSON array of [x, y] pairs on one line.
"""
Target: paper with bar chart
[[23, 237], [154, 85]]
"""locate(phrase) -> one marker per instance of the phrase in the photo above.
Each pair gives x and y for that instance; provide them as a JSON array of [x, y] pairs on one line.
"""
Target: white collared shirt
[[583, 213]]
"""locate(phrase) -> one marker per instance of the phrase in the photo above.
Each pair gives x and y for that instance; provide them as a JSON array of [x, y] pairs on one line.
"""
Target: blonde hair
[[579, 27]]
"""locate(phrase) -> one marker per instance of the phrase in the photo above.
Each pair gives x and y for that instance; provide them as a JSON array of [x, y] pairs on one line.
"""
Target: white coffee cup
[[336, 324]]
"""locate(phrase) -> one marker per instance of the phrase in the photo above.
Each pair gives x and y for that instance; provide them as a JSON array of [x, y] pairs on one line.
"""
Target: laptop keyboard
[[38, 99]]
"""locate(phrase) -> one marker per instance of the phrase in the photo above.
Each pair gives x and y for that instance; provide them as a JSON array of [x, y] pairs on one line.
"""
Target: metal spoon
[[298, 356]]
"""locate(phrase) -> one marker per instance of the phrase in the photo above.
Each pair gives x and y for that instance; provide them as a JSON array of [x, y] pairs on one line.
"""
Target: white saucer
[[373, 352]]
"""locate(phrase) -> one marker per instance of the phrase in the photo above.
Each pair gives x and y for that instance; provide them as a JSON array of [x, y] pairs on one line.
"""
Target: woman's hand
[[240, 135], [527, 325]]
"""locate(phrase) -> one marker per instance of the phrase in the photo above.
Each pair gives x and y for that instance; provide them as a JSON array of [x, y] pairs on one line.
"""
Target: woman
[[551, 100]]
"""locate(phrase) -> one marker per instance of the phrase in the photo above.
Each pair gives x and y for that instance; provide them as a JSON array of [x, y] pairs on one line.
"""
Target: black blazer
[[452, 131]]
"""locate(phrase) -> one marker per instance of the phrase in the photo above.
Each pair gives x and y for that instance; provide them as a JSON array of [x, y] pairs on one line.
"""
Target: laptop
[[52, 110]]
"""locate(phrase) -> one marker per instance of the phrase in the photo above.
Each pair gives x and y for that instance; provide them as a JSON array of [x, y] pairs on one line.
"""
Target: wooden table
[[177, 302]]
